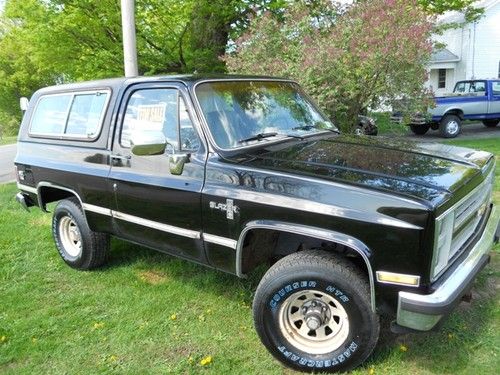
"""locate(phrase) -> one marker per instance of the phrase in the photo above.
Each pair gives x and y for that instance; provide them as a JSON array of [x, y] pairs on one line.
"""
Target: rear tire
[[312, 311], [77, 244], [420, 129], [450, 126], [490, 123]]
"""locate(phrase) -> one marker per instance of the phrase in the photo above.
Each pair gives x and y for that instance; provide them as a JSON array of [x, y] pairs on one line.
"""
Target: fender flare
[[453, 111], [324, 234]]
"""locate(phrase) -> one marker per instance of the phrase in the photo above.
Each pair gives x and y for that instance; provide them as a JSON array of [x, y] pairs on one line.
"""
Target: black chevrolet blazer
[[233, 172]]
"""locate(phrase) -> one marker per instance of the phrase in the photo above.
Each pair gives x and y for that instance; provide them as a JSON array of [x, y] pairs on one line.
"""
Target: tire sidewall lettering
[[339, 356], [334, 361], [279, 295]]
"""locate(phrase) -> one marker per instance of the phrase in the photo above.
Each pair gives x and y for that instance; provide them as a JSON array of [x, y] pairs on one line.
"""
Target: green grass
[[386, 126], [7, 140], [119, 320]]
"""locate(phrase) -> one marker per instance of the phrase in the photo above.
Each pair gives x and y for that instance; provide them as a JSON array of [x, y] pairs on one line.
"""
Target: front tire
[[450, 126], [77, 244], [490, 123], [312, 311]]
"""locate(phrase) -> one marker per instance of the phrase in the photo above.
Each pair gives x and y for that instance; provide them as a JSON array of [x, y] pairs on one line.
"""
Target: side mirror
[[23, 103], [177, 162], [147, 143]]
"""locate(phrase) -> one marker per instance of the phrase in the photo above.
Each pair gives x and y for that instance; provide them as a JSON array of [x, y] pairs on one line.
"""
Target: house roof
[[443, 55]]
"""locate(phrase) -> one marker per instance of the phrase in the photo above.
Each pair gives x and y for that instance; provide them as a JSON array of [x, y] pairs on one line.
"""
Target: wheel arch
[[330, 236], [48, 192], [454, 111]]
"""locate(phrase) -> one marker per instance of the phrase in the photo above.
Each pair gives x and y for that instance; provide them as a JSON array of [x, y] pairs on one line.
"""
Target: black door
[[153, 205]]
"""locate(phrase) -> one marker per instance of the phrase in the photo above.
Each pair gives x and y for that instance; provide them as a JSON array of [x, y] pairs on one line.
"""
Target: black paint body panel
[[383, 192]]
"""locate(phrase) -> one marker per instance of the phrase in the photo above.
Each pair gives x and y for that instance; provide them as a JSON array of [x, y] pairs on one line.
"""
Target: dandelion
[[113, 358], [98, 325], [191, 359], [206, 361], [34, 340], [450, 336], [403, 348], [173, 317], [3, 339], [371, 371]]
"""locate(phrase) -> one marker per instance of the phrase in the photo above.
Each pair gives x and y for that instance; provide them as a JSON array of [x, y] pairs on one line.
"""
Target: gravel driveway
[[7, 155], [469, 131]]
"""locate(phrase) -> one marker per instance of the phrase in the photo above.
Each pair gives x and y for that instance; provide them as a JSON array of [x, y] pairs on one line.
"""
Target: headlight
[[442, 242]]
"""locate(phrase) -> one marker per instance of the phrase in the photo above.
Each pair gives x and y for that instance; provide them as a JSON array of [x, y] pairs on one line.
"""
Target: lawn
[[7, 140], [148, 313]]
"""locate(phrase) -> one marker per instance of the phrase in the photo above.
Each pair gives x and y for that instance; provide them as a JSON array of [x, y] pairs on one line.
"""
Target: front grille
[[468, 216], [456, 227]]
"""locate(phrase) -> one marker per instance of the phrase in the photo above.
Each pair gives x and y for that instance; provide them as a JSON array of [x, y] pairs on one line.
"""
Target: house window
[[441, 78]]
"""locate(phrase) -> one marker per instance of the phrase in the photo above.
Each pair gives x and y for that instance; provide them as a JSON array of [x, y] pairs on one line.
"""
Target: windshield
[[242, 113]]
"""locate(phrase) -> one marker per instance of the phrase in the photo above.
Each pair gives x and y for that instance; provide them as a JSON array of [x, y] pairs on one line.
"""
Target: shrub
[[349, 58]]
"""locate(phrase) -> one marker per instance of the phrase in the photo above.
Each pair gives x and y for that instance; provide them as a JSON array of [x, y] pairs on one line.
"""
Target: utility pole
[[129, 44]]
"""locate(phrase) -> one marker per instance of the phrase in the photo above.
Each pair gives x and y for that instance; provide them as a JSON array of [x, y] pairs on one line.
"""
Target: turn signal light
[[398, 278]]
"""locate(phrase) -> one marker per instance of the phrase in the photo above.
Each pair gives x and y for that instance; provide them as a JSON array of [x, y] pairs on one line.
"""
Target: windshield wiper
[[258, 137], [311, 127]]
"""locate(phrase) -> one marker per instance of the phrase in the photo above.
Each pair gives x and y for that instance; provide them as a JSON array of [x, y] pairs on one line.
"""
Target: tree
[[347, 58], [469, 7], [43, 42]]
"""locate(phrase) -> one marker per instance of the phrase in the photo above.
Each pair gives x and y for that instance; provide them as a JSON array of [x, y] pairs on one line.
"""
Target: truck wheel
[[80, 247], [312, 311], [420, 129], [450, 126], [491, 123]]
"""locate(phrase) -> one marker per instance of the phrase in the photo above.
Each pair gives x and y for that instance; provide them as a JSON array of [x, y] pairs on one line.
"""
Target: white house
[[472, 51]]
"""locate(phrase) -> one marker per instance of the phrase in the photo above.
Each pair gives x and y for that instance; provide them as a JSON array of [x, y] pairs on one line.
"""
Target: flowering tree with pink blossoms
[[349, 58]]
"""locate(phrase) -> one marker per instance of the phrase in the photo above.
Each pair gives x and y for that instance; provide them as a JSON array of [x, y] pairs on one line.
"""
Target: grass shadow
[[126, 254]]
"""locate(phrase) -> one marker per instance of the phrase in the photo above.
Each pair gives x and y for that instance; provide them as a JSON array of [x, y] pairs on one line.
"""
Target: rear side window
[[74, 115], [50, 115]]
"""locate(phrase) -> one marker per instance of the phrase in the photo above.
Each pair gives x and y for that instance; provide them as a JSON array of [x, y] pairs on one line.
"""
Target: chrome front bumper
[[423, 311]]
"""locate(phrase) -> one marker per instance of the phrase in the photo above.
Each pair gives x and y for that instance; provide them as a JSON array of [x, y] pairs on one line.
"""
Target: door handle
[[119, 159]]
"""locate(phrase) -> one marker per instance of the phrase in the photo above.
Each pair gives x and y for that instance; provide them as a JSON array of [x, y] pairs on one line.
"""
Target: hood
[[428, 171]]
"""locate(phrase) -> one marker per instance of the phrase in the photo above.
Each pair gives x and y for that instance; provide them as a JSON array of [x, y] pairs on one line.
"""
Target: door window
[[495, 88], [162, 110]]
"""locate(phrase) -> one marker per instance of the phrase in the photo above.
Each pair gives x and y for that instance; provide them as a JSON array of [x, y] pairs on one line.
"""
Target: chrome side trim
[[223, 241], [327, 235], [308, 206], [97, 209], [29, 189], [155, 225]]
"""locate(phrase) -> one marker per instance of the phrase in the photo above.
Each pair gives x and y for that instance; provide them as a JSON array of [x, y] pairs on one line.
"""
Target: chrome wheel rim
[[313, 322], [452, 127], [71, 238]]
